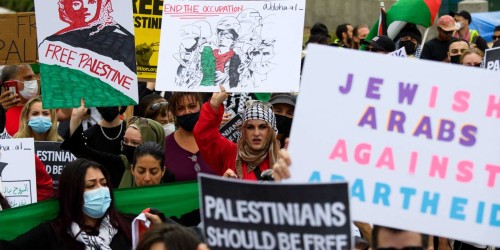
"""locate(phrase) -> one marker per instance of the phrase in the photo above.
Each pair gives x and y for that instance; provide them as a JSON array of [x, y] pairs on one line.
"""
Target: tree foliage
[[18, 5]]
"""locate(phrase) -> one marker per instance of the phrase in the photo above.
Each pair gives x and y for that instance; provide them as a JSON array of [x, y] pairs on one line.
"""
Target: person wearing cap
[[380, 44], [359, 34], [257, 148], [410, 38], [471, 36], [283, 108], [437, 48], [227, 61]]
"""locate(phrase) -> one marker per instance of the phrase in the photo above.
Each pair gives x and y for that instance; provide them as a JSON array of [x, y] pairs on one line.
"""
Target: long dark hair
[[3, 202], [71, 189]]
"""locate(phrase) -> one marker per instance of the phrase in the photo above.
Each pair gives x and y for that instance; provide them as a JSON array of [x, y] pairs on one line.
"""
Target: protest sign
[[399, 53], [250, 215], [147, 25], [54, 158], [412, 142], [492, 59], [18, 40], [88, 52], [230, 129], [242, 45], [17, 171]]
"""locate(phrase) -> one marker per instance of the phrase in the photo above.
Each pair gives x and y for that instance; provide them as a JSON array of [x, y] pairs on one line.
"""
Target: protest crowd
[[172, 136]]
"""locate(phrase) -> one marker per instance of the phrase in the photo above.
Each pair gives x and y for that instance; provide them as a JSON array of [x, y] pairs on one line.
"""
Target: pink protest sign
[[416, 140]]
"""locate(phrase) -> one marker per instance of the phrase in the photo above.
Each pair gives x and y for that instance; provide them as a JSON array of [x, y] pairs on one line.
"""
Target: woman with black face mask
[[182, 154], [283, 108], [118, 165]]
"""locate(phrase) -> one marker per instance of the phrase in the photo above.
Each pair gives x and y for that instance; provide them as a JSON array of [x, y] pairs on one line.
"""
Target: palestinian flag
[[382, 22], [421, 12], [173, 199]]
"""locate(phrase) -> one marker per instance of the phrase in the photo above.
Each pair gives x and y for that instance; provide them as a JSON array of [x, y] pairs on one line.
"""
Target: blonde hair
[[25, 131], [471, 51]]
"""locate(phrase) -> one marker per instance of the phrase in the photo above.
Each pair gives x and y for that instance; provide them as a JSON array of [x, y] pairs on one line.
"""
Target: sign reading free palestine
[[416, 140]]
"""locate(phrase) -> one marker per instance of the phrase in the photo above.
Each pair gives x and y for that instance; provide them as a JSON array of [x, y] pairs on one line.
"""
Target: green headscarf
[[151, 130]]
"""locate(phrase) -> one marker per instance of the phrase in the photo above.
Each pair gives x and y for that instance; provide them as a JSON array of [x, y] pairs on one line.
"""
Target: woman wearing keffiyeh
[[255, 152]]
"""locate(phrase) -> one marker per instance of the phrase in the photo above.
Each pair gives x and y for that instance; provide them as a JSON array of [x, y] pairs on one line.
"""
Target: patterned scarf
[[101, 241], [257, 110]]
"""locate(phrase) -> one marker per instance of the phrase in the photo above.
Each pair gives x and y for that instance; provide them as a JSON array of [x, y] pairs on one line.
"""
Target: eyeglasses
[[495, 37], [158, 105], [194, 159], [141, 121]]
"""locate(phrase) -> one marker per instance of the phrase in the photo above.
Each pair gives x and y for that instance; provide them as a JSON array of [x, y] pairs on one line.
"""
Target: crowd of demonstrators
[[175, 136]]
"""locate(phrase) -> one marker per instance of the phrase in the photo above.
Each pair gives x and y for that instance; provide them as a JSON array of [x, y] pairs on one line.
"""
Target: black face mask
[[409, 47], [109, 113], [284, 124], [188, 121], [455, 59], [128, 151]]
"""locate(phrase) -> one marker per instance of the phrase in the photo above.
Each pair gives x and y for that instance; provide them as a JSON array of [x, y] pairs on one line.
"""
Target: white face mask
[[30, 89]]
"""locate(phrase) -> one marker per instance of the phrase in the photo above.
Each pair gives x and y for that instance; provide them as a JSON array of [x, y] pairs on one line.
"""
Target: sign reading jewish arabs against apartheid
[[18, 40], [86, 50], [147, 26], [54, 158], [420, 147], [17, 171], [251, 215], [492, 59], [246, 46]]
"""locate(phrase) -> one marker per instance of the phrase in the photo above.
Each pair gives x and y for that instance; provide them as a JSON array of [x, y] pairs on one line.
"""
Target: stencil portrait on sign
[[88, 53], [236, 45]]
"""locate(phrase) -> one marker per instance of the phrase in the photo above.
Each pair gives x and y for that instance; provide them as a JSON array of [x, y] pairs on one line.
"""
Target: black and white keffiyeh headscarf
[[257, 110], [94, 242]]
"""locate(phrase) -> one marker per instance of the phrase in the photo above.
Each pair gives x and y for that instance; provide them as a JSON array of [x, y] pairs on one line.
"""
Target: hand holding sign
[[218, 98]]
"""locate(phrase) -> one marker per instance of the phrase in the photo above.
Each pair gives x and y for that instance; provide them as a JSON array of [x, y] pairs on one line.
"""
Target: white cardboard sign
[[17, 176], [418, 141], [247, 46]]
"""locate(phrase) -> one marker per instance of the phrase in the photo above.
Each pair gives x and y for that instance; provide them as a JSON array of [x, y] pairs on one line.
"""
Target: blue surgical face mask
[[40, 124], [96, 202]]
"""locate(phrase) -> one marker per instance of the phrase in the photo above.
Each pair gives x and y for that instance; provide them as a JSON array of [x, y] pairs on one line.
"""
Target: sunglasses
[[495, 37], [158, 105], [141, 121], [447, 32], [194, 159]]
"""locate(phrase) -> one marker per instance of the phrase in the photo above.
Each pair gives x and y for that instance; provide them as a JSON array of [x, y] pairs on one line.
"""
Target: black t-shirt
[[95, 138], [435, 50]]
